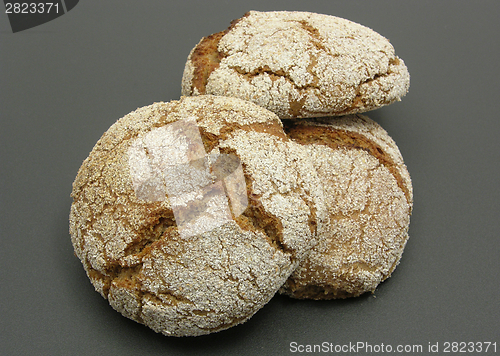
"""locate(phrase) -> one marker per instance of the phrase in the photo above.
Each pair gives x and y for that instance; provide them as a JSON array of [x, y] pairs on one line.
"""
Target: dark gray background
[[65, 82]]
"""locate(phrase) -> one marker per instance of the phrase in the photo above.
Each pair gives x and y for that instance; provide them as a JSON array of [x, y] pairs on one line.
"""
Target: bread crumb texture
[[369, 199], [228, 264], [298, 65]]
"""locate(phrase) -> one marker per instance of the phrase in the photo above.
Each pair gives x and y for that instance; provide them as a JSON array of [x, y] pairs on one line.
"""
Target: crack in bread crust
[[206, 58], [335, 138]]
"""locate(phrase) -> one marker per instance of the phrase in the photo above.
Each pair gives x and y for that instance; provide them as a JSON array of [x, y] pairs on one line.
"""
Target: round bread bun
[[298, 65], [369, 199], [179, 239]]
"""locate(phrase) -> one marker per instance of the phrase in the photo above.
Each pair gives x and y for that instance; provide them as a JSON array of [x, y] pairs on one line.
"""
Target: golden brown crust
[[205, 58]]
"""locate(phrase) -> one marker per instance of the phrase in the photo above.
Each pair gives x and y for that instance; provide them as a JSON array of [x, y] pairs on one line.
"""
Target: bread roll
[[298, 65], [369, 199], [179, 239]]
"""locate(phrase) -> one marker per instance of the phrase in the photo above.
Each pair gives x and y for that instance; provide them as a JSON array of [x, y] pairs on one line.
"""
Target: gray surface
[[64, 83]]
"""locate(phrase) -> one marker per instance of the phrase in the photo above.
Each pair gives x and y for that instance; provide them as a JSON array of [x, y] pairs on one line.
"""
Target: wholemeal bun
[[298, 65], [369, 199], [188, 216]]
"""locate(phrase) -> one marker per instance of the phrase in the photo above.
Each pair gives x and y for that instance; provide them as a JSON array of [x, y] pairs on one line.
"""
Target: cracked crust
[[369, 199], [298, 65], [133, 253]]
